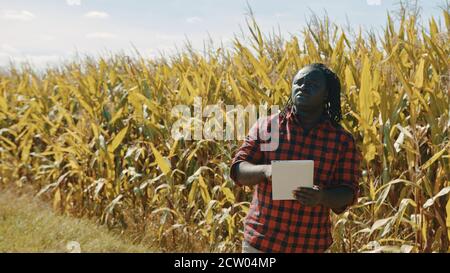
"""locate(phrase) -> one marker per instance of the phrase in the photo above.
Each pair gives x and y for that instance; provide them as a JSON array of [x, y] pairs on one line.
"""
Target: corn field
[[93, 136]]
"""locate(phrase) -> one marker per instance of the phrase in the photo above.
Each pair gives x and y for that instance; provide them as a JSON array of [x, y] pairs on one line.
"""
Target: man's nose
[[303, 87]]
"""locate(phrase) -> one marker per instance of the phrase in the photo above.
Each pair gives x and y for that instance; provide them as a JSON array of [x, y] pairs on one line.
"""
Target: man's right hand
[[268, 172], [250, 174]]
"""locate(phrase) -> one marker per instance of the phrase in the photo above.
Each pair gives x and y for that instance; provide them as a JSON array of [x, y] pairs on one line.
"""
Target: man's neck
[[309, 118]]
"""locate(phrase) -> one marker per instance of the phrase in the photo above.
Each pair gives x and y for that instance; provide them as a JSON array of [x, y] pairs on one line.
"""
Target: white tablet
[[288, 175]]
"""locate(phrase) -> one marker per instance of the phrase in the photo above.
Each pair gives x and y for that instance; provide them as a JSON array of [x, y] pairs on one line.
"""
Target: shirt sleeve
[[250, 151], [348, 171]]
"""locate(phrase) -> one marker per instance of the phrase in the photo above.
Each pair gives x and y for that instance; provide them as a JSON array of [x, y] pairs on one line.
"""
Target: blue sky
[[48, 31]]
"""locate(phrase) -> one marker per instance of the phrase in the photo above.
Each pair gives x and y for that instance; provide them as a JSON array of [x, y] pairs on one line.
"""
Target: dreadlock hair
[[332, 107]]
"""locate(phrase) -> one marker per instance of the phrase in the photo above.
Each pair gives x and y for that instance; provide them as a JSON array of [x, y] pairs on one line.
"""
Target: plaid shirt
[[286, 225]]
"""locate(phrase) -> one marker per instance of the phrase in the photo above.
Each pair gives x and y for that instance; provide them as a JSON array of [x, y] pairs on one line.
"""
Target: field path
[[28, 224]]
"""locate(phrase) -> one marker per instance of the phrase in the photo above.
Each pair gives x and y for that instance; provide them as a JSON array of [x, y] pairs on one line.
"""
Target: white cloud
[[18, 15], [73, 2], [373, 2], [97, 15], [47, 38], [43, 60], [101, 35], [7, 48], [38, 61], [193, 20]]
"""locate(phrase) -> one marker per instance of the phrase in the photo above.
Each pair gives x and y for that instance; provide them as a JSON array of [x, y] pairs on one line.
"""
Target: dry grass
[[28, 224]]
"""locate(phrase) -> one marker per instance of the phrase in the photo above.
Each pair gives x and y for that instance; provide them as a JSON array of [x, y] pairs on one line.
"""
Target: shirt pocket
[[324, 166]]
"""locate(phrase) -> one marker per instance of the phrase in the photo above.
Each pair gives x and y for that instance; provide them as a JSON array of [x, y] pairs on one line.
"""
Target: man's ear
[[327, 94]]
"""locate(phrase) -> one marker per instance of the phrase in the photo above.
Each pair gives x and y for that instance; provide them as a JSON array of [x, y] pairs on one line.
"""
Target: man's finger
[[304, 198], [307, 190], [307, 194]]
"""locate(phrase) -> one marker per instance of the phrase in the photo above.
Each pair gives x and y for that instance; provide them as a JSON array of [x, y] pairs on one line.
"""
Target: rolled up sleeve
[[249, 151], [348, 171]]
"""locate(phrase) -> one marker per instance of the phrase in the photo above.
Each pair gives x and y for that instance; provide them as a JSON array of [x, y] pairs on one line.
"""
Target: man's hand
[[268, 173], [308, 196], [337, 198], [249, 174]]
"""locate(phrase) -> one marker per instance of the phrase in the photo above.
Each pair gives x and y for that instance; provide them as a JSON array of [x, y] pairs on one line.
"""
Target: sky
[[47, 32]]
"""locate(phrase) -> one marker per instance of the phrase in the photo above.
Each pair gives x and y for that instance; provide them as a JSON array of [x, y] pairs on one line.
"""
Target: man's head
[[316, 87], [309, 89]]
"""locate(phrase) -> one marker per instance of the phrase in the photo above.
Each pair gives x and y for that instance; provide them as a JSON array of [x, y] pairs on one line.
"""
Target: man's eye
[[313, 83]]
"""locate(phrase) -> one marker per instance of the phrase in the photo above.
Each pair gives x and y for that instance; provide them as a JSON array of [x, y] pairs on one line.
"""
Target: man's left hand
[[309, 196]]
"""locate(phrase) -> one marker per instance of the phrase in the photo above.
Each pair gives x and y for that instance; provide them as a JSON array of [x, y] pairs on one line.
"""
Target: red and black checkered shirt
[[286, 225]]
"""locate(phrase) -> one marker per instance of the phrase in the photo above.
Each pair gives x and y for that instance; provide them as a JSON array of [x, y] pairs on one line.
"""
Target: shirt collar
[[291, 116]]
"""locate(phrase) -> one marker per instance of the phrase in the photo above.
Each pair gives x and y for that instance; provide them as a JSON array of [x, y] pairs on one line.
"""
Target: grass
[[28, 224]]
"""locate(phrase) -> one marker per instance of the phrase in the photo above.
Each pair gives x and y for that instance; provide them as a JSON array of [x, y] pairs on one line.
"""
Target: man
[[308, 130]]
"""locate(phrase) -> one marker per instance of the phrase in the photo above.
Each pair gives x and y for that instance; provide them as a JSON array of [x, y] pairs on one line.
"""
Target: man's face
[[309, 90]]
